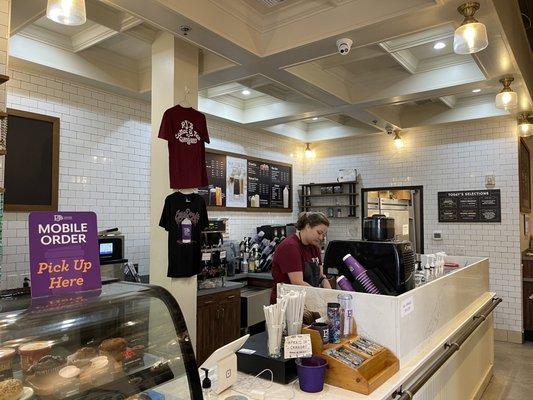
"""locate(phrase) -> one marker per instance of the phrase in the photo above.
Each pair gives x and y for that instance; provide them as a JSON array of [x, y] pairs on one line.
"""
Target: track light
[[67, 12], [471, 36], [507, 99]]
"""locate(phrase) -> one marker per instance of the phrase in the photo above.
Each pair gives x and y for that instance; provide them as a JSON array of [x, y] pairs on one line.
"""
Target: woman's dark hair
[[312, 219]]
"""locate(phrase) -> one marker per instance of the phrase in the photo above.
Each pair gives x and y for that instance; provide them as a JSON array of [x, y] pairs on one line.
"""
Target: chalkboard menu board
[[215, 193], [247, 183], [470, 206]]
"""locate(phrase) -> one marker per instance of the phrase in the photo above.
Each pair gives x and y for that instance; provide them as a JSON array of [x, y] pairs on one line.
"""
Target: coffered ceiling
[[273, 64]]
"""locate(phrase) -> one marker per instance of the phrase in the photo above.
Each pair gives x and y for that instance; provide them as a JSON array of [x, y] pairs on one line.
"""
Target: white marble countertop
[[384, 392]]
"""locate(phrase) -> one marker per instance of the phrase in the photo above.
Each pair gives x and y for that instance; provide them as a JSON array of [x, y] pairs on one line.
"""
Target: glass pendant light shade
[[525, 125], [398, 141], [308, 153], [471, 36], [67, 12], [507, 99]]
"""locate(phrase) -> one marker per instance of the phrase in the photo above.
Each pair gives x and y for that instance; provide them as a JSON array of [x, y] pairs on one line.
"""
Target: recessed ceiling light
[[439, 45], [246, 92], [476, 90], [315, 118]]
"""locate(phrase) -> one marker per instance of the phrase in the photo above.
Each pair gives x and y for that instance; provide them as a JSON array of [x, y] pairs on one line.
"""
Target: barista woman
[[297, 259]]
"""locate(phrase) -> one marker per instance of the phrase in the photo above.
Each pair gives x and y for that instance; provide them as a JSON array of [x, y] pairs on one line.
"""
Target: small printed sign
[[298, 346], [407, 307], [64, 254]]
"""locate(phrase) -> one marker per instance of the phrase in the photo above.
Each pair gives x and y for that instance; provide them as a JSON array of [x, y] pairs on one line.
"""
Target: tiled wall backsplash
[[453, 157], [103, 167]]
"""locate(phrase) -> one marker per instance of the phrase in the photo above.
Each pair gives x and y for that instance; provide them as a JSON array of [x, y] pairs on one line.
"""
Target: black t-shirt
[[184, 259]]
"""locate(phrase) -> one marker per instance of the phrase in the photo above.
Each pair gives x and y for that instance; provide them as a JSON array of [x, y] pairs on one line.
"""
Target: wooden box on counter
[[366, 378]]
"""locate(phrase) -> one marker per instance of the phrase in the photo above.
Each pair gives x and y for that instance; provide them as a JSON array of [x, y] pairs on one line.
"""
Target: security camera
[[344, 45]]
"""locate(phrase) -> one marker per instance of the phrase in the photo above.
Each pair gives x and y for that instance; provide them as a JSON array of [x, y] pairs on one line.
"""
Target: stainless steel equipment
[[252, 301]]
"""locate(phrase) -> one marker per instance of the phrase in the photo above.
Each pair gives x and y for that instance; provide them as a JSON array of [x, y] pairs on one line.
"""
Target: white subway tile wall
[[441, 158], [104, 163]]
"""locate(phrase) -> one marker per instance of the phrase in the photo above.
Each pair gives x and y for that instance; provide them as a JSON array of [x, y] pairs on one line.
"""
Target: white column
[[174, 67]]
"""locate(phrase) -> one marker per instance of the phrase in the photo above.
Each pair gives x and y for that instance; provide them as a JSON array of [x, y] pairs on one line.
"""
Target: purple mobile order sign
[[64, 256]]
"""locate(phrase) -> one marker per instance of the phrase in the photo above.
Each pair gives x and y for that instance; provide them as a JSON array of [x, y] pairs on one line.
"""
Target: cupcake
[[11, 389], [31, 352], [82, 357], [114, 348], [47, 365], [6, 360]]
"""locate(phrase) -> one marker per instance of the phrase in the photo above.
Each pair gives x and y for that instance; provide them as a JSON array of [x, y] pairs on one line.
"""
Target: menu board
[[470, 206], [247, 183], [215, 193]]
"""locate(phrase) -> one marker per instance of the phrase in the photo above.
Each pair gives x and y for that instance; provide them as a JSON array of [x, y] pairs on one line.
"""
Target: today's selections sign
[[470, 206], [64, 255]]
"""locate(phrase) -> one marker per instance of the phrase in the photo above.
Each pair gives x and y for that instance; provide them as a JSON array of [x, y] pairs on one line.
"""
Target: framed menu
[[238, 183], [470, 206]]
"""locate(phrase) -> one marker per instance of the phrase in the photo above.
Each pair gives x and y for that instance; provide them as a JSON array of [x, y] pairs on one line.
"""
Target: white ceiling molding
[[47, 37], [419, 38], [449, 101], [406, 59], [24, 13], [141, 32], [445, 61], [91, 37]]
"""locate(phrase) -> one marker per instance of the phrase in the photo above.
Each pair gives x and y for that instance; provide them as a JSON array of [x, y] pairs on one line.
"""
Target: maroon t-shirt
[[292, 255], [185, 129]]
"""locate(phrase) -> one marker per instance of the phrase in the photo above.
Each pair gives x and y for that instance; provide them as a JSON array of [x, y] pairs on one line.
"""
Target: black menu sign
[[268, 184], [258, 184], [470, 206], [280, 181], [215, 193]]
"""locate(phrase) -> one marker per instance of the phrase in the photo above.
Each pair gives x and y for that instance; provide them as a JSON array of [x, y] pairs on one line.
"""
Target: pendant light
[[471, 36], [507, 99], [67, 12], [525, 125], [398, 141], [308, 153]]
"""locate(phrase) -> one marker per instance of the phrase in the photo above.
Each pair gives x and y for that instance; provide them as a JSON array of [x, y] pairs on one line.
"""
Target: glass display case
[[127, 341]]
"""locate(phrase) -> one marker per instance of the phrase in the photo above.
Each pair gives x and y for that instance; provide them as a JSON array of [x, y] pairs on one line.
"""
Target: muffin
[[47, 365], [31, 352], [113, 347], [82, 357], [11, 389], [6, 360]]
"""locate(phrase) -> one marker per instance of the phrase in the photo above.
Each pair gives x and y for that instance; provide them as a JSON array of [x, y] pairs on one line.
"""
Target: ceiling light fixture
[[525, 125], [308, 153], [471, 36], [67, 12], [315, 118], [246, 92], [398, 141], [439, 45], [507, 99], [476, 90]]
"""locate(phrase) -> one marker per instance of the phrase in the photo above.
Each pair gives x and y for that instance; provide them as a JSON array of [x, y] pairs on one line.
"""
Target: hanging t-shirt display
[[184, 216], [185, 129]]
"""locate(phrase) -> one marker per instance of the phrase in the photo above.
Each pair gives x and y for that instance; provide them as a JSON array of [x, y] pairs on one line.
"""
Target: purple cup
[[311, 373]]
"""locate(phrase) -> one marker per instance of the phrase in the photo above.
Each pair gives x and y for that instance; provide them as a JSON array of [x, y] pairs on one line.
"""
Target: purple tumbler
[[311, 373], [359, 273], [345, 284]]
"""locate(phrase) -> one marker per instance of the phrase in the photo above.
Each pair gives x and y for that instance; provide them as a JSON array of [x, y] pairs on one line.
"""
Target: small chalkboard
[[32, 162], [470, 206]]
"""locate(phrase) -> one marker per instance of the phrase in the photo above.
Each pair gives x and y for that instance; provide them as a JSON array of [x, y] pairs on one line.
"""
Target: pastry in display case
[[125, 341]]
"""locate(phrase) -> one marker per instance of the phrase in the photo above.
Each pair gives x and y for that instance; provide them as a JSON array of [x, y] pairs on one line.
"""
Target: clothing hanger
[[185, 101]]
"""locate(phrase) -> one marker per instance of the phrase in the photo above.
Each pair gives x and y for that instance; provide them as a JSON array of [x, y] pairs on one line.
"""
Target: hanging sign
[[64, 256]]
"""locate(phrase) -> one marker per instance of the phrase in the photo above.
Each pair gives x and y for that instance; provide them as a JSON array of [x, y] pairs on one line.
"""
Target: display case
[[127, 341]]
